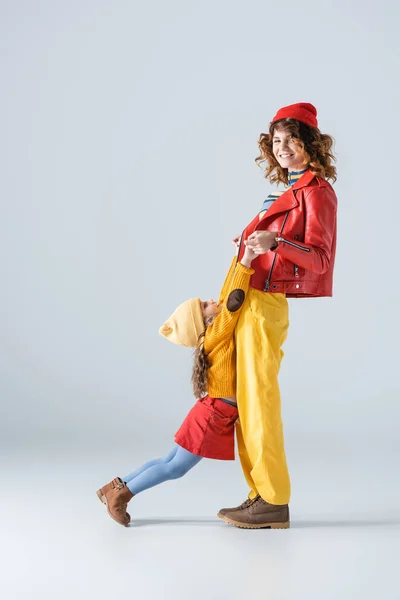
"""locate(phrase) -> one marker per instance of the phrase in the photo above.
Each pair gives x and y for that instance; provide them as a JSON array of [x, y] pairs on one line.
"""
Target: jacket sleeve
[[225, 322], [314, 254], [222, 294]]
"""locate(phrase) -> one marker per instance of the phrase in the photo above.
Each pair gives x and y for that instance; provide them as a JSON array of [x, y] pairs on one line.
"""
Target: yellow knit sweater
[[219, 342]]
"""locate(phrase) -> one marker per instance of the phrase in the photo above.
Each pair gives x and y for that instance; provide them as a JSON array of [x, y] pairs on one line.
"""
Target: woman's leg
[[150, 463], [260, 333], [178, 466]]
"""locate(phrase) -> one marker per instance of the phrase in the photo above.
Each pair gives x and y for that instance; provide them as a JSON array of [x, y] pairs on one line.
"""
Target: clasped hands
[[259, 241]]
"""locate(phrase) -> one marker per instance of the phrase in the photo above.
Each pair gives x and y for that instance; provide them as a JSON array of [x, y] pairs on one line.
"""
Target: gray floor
[[58, 541]]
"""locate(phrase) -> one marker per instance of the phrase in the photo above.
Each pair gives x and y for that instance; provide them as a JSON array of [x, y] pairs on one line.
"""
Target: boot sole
[[283, 525], [100, 496]]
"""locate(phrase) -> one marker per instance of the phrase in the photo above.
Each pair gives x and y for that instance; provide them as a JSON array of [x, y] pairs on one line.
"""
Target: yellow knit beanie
[[185, 325]]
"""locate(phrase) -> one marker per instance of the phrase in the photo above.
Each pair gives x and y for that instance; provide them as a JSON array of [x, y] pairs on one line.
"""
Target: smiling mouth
[[286, 155]]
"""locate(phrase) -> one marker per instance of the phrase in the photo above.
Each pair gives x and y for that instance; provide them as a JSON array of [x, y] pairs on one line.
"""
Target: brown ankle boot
[[259, 514], [117, 499], [244, 504], [101, 493]]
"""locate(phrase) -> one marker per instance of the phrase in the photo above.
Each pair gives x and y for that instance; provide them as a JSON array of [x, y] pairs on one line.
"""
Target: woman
[[294, 237]]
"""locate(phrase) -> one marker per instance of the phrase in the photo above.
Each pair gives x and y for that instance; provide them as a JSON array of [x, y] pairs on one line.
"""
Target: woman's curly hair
[[201, 364], [317, 149]]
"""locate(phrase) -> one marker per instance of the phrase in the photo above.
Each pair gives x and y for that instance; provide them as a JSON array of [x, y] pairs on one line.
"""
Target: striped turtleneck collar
[[294, 176]]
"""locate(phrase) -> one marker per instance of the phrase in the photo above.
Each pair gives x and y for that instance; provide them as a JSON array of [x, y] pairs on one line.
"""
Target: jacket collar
[[304, 180], [288, 199]]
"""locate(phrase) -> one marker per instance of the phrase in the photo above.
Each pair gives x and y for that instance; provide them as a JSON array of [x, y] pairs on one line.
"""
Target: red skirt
[[208, 429]]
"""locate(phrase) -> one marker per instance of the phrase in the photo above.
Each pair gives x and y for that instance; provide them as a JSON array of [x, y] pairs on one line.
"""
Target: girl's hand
[[236, 240], [248, 256], [249, 253], [261, 241]]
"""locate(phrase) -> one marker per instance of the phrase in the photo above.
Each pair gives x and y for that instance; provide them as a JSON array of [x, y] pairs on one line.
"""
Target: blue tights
[[176, 464]]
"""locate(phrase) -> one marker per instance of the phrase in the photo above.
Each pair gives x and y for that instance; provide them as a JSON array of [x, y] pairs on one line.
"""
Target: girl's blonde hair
[[201, 364]]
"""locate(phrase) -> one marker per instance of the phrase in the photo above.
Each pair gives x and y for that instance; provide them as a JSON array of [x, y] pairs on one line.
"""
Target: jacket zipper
[[281, 239], [266, 287], [296, 267]]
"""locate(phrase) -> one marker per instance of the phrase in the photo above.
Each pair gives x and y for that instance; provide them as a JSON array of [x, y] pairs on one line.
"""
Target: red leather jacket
[[301, 265]]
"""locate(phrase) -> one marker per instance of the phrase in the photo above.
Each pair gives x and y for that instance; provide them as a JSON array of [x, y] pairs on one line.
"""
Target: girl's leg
[[177, 467], [150, 463]]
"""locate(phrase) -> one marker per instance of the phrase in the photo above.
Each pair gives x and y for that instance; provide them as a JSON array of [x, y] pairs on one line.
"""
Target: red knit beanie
[[303, 111]]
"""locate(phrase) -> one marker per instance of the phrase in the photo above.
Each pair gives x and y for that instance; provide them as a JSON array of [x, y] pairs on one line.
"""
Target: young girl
[[208, 429]]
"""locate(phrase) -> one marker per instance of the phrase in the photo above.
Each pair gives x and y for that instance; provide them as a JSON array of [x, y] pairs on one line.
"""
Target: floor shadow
[[175, 521]]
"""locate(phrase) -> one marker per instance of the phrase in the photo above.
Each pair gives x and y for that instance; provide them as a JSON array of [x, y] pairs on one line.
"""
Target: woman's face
[[210, 308], [288, 152]]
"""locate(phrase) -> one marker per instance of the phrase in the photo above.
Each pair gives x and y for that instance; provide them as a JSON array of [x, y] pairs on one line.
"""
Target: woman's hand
[[261, 241]]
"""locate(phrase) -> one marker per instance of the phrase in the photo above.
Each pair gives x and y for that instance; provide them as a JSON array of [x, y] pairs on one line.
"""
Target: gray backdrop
[[128, 138]]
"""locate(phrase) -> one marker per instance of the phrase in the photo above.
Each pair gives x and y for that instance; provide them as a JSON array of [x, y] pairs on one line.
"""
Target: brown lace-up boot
[[244, 504], [116, 500], [259, 514], [101, 493]]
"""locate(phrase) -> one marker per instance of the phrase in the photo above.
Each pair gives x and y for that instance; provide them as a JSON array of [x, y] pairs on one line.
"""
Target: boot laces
[[256, 502], [249, 502], [246, 503]]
